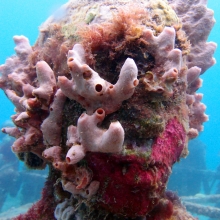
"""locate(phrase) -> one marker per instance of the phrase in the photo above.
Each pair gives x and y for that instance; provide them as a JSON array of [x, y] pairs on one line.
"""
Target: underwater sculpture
[[107, 98]]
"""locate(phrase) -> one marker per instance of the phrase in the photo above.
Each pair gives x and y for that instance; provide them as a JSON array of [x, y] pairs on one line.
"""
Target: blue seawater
[[23, 17]]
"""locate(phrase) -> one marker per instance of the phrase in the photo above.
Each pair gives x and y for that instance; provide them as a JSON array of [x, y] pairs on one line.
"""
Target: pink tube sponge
[[99, 140], [51, 128], [75, 154], [93, 92], [47, 82], [92, 138]]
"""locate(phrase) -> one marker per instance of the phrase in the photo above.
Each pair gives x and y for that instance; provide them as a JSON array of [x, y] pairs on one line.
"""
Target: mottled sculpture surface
[[107, 98]]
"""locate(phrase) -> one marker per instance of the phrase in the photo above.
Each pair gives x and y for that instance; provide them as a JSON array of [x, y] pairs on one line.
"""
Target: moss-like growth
[[151, 126], [137, 152]]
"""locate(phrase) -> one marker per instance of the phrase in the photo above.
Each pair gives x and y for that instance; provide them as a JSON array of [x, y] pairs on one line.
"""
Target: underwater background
[[198, 174]]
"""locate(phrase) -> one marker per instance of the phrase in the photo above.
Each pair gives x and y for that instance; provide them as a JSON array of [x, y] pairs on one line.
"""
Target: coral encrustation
[[107, 98], [132, 185]]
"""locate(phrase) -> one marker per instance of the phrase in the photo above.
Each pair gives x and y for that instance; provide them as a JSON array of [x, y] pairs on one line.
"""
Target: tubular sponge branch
[[93, 92], [95, 140]]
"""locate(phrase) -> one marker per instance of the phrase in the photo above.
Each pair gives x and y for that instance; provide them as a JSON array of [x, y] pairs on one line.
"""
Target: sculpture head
[[107, 96]]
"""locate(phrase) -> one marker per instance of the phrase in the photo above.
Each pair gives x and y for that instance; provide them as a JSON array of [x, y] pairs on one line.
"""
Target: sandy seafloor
[[23, 17]]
